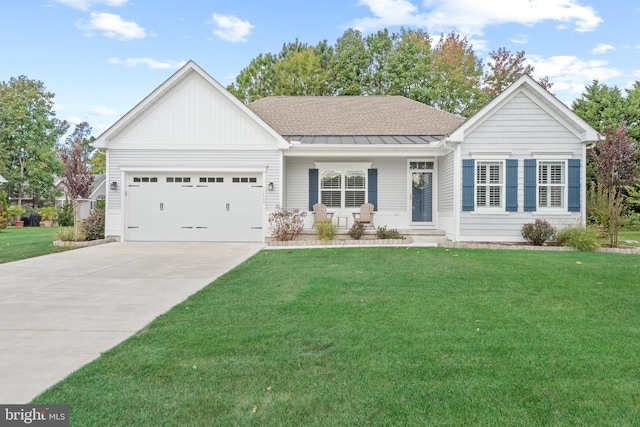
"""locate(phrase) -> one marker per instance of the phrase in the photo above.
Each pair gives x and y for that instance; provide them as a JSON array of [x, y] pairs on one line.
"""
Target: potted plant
[[48, 215], [16, 212]]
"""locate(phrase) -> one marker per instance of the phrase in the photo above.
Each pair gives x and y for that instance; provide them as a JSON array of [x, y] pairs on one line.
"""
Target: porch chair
[[320, 214], [365, 216]]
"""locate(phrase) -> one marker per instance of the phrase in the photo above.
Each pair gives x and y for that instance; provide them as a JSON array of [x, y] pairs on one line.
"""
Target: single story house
[[192, 163]]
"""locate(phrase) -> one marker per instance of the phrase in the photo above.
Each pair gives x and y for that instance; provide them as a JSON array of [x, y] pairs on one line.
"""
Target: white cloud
[[74, 120], [470, 17], [231, 28], [113, 26], [151, 63], [520, 39], [102, 111], [87, 4], [571, 74], [602, 48]]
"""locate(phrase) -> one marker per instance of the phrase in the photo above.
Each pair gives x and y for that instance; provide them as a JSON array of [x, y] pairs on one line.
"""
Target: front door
[[421, 192]]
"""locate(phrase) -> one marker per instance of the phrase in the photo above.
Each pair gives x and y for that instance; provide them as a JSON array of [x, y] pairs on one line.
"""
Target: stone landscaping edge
[[86, 242], [489, 245], [342, 242]]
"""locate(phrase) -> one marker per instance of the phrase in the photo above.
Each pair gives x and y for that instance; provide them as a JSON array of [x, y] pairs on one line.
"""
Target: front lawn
[[382, 336], [27, 242]]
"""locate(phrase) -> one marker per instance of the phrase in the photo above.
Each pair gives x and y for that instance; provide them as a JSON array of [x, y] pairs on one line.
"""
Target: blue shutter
[[313, 188], [573, 204], [468, 184], [511, 204], [530, 185], [373, 188]]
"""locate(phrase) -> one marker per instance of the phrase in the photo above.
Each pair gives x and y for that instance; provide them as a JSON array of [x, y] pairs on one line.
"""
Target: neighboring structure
[[86, 206], [192, 163]]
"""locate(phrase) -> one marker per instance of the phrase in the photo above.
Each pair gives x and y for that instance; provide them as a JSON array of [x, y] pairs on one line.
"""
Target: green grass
[[629, 235], [382, 336], [28, 242]]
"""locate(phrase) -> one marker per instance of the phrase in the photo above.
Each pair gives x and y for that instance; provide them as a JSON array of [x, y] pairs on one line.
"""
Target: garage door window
[[244, 179], [178, 179], [144, 179], [212, 179]]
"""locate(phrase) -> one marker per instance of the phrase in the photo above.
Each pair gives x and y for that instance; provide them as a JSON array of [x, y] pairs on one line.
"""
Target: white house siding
[[446, 217], [176, 160], [192, 112], [522, 130], [392, 187]]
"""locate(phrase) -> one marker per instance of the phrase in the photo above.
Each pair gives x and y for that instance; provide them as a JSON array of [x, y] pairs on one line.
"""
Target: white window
[[343, 188], [551, 184], [489, 184]]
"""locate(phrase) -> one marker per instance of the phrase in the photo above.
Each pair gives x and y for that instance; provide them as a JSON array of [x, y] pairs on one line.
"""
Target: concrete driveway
[[59, 312]]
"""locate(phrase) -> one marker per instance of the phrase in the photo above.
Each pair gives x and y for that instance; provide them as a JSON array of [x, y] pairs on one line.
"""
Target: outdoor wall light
[[114, 186], [270, 186]]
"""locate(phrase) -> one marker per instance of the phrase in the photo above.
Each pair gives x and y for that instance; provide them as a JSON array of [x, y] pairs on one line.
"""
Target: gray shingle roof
[[353, 116]]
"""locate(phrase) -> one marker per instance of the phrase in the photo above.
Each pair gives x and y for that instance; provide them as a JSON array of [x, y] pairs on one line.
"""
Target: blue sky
[[101, 57]]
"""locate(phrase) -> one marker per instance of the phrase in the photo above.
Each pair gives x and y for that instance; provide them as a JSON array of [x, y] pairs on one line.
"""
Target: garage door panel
[[183, 207]]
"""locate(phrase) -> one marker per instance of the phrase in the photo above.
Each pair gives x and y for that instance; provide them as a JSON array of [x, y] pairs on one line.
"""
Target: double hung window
[[551, 184], [343, 188], [489, 184]]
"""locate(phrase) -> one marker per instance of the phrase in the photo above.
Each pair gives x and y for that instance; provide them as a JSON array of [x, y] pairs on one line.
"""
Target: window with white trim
[[343, 188], [489, 184], [551, 184]]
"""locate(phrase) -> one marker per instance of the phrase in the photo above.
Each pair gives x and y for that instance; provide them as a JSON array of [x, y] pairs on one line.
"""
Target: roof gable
[[542, 98], [190, 108], [353, 116]]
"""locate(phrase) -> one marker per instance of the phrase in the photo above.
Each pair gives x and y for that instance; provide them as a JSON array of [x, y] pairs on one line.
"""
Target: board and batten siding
[[192, 112], [520, 128], [392, 181]]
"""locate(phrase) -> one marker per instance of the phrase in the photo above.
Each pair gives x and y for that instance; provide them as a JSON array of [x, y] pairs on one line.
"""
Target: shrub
[[15, 212], [583, 239], [538, 232], [65, 216], [326, 230], [3, 211], [48, 213], [383, 233], [66, 235], [286, 225], [356, 231], [93, 225]]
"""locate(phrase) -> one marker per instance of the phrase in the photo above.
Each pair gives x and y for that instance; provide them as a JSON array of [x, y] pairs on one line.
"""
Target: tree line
[[446, 74]]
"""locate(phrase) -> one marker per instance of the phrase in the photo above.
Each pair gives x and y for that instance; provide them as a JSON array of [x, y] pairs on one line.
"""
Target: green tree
[[632, 111], [378, 46], [301, 74], [256, 81], [349, 65], [601, 106], [409, 70], [457, 76], [29, 132]]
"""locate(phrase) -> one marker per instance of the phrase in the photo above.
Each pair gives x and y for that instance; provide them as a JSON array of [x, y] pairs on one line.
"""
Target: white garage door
[[194, 207]]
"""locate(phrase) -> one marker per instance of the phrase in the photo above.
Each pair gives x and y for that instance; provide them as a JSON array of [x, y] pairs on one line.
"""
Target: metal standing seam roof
[[355, 119]]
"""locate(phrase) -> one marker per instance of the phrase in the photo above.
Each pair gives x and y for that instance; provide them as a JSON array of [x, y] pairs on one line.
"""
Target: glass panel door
[[422, 196]]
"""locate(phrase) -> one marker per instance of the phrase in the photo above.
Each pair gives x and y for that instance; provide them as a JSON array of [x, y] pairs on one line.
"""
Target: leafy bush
[[286, 225], [15, 212], [48, 213], [66, 235], [326, 230], [538, 232], [383, 233], [65, 216], [3, 211], [583, 239], [356, 231], [93, 225]]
